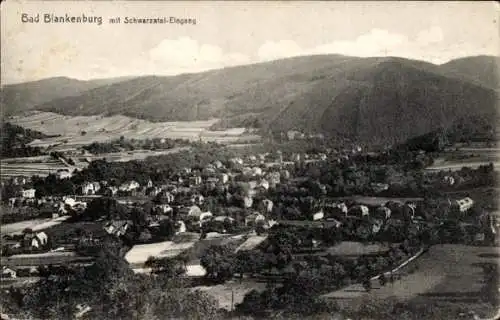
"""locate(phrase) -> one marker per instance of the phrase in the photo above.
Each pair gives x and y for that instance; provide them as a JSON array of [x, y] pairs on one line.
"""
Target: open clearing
[[352, 248], [35, 225], [101, 128], [166, 249], [231, 291], [447, 274], [40, 259]]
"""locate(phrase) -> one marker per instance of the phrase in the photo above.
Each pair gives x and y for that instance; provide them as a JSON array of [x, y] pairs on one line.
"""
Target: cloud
[[281, 49], [429, 36], [376, 42], [187, 54]]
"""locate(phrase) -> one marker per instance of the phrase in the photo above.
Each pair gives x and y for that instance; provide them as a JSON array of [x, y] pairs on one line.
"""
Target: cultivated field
[[472, 157], [40, 259], [375, 201], [30, 166], [100, 128], [35, 225], [447, 275], [166, 249], [251, 243]]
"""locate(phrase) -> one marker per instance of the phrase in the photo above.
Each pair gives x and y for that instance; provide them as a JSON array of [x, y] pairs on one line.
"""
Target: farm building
[[464, 204], [129, 186], [35, 240], [28, 193], [318, 215], [8, 272]]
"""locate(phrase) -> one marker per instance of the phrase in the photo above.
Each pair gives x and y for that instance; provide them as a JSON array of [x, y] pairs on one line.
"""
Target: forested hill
[[14, 140], [367, 99]]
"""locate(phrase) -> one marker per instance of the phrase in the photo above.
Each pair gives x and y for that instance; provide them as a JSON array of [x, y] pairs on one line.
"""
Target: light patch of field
[[375, 201], [35, 225], [251, 243], [352, 248], [30, 166], [134, 155], [167, 249], [447, 274], [100, 129], [231, 291], [455, 166]]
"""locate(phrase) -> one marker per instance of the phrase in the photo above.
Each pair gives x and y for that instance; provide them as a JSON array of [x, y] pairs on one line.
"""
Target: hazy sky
[[229, 33]]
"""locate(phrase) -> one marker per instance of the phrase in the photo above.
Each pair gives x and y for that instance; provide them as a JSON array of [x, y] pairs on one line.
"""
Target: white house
[[247, 202], [28, 193], [199, 216], [264, 184], [129, 186], [449, 180], [256, 171], [90, 188], [464, 204], [267, 205], [196, 180], [318, 215], [217, 164], [64, 174], [38, 239], [8, 272], [224, 178]]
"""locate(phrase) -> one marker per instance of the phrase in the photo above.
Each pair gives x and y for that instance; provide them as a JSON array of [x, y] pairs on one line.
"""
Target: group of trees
[[15, 140], [112, 291], [123, 144]]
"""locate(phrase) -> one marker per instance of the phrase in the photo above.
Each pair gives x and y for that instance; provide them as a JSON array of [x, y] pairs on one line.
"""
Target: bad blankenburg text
[[53, 18]]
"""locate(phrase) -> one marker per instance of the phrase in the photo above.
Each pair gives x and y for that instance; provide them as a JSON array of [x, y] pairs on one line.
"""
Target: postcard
[[249, 160]]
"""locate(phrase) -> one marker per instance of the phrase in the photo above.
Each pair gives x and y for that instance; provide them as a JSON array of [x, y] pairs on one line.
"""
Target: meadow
[[83, 130]]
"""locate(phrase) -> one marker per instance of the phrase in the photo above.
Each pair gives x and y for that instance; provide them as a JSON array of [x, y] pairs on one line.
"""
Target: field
[[100, 129], [39, 259], [35, 225], [447, 276], [352, 248], [141, 252], [30, 166], [251, 243], [472, 157], [231, 291], [376, 201]]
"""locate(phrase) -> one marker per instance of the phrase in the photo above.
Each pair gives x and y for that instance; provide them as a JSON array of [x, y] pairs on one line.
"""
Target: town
[[250, 223]]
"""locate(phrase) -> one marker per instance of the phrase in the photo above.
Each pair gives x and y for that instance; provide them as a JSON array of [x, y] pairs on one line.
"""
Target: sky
[[234, 33]]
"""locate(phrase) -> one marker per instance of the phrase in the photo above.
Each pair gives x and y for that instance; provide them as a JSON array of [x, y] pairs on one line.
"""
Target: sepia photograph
[[244, 160]]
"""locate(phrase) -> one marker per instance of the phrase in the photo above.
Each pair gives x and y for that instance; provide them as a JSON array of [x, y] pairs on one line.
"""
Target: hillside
[[14, 140], [369, 99], [483, 70], [21, 97]]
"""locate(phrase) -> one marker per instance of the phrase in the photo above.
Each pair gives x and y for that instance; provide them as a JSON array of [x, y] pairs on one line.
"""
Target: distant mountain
[[369, 99], [21, 97], [483, 70]]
